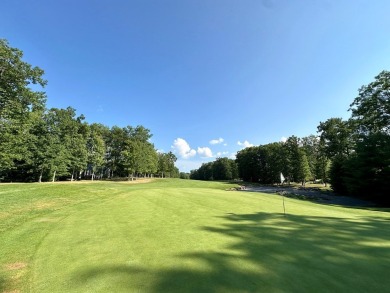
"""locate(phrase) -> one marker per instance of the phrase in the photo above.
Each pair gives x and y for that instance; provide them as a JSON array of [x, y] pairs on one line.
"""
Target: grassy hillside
[[184, 236]]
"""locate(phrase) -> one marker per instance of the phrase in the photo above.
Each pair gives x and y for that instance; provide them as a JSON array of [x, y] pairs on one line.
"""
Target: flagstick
[[281, 181]]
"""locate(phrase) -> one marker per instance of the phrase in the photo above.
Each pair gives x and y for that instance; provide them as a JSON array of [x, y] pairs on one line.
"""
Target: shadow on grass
[[276, 253], [374, 209], [2, 284], [123, 274]]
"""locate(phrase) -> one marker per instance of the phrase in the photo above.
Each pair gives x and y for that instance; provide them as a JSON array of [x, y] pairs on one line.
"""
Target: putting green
[[185, 236]]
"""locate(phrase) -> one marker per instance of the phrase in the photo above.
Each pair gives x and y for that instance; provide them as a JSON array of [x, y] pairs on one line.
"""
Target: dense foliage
[[353, 155], [48, 144], [264, 163], [220, 169]]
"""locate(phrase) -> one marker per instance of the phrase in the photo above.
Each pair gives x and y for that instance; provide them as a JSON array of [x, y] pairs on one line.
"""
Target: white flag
[[281, 177]]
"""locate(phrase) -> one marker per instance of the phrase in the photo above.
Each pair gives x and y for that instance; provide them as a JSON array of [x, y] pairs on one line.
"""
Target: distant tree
[[175, 172], [311, 146], [171, 158], [205, 172], [151, 159], [336, 144], [78, 150], [95, 148], [322, 163], [131, 157], [292, 158], [337, 174], [162, 164], [336, 136], [275, 162], [115, 144], [222, 169], [184, 175], [73, 138], [248, 164], [138, 155], [303, 167], [166, 164], [234, 169]]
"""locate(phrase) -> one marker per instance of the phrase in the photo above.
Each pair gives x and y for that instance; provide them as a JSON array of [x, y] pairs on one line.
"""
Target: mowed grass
[[184, 236]]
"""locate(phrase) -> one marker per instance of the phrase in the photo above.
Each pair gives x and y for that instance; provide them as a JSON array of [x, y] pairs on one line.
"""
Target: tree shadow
[[274, 253], [124, 274], [3, 284], [291, 253]]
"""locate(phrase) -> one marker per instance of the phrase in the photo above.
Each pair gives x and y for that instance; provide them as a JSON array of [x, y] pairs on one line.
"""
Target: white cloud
[[205, 152], [233, 156], [217, 141], [245, 144], [221, 154], [183, 149], [283, 139]]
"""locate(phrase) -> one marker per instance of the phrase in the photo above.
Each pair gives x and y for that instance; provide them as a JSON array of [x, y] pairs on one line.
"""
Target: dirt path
[[311, 194]]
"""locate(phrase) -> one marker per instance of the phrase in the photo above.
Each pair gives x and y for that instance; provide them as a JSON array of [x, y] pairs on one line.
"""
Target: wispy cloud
[[245, 144], [222, 154], [283, 139], [182, 148], [217, 141], [205, 152]]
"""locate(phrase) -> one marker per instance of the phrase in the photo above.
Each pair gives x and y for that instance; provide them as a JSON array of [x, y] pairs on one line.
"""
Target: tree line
[[352, 155], [40, 144], [220, 169]]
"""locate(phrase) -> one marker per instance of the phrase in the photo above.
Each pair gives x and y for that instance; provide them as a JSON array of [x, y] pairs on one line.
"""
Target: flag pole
[[281, 181]]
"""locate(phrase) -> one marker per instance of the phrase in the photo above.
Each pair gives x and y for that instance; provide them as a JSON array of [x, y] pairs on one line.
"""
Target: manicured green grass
[[184, 236]]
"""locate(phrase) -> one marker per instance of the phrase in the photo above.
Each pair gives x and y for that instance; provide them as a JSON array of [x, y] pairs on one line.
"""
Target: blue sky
[[206, 77]]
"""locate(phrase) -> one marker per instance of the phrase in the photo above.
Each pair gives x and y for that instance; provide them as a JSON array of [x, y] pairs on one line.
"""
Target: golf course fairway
[[172, 235]]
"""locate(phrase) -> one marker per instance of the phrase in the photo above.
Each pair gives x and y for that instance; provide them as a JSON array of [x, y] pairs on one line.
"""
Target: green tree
[[368, 169], [336, 136], [222, 169], [138, 155], [248, 163], [131, 155], [184, 175], [322, 165], [73, 135], [303, 167], [166, 164], [116, 141], [18, 102], [151, 159], [371, 108], [275, 162], [95, 148], [54, 153], [78, 148]]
